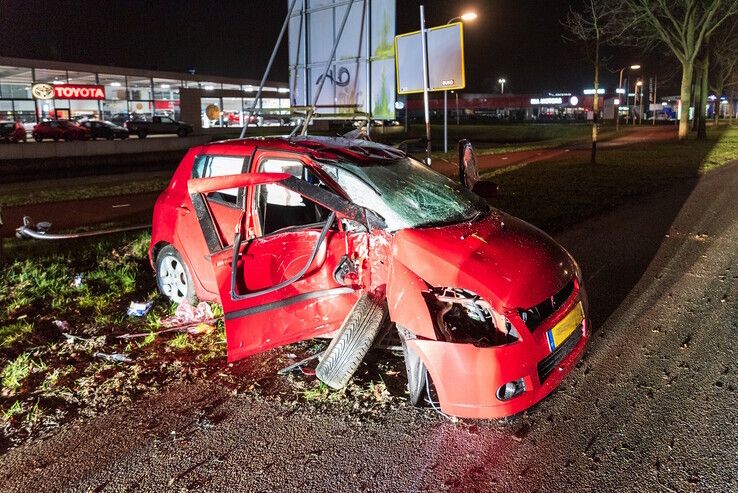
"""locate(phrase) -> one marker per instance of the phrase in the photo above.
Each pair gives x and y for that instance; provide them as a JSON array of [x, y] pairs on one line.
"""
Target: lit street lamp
[[466, 16], [501, 82], [620, 91]]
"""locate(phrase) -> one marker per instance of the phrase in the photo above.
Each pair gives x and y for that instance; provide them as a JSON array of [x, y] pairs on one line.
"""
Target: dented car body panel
[[305, 226]]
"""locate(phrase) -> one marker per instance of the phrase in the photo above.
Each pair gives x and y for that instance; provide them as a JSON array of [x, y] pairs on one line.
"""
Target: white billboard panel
[[361, 78], [445, 60]]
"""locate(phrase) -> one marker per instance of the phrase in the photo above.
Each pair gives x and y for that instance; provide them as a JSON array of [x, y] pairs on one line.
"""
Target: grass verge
[[558, 193]]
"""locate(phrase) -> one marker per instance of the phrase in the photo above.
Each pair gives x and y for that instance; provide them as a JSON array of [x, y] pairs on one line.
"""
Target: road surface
[[653, 406]]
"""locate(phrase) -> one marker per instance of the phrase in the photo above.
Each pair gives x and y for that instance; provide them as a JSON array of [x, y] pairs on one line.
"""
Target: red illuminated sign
[[79, 91]]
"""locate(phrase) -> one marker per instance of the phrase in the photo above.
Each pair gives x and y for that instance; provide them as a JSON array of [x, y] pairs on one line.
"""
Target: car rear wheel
[[141, 134], [37, 138], [182, 132], [353, 341], [173, 277]]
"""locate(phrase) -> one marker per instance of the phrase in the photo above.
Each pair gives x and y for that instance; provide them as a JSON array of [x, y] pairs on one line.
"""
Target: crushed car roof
[[359, 151]]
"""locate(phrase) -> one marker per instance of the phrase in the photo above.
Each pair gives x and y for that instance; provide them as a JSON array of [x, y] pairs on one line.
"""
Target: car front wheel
[[173, 277], [37, 138]]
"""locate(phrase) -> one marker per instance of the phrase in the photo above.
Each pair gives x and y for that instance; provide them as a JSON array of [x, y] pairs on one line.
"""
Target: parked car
[[105, 130], [159, 125], [60, 129], [12, 132], [347, 238]]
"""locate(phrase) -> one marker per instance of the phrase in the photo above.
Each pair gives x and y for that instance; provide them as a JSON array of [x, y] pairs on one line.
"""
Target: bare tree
[[724, 73], [683, 26], [592, 27]]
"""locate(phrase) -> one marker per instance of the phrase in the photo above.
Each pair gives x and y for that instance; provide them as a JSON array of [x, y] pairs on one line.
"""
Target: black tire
[[110, 137], [354, 339], [141, 134], [182, 132], [174, 291], [37, 138], [417, 373]]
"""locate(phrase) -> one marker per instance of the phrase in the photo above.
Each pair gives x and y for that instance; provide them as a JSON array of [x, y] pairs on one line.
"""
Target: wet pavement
[[653, 405]]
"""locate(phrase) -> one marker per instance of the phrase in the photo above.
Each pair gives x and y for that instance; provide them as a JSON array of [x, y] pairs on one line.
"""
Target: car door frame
[[227, 286]]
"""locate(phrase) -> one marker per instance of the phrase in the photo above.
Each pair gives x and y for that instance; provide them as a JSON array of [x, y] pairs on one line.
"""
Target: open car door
[[296, 282]]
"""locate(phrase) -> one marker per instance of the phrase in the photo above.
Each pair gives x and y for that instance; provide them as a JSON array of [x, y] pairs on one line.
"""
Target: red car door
[[288, 282], [225, 206]]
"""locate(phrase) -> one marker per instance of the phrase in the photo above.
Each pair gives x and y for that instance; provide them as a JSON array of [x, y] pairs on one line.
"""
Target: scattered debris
[[193, 320], [187, 315], [115, 357], [299, 365], [62, 325], [139, 309], [78, 281]]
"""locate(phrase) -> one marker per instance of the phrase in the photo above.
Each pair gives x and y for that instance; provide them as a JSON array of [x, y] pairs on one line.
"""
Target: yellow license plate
[[562, 330]]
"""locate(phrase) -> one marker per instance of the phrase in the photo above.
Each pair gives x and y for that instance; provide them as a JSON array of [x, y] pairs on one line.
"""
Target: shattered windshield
[[407, 193]]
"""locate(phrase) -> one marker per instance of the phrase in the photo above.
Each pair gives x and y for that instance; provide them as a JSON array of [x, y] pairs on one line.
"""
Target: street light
[[620, 91], [465, 17], [639, 95], [502, 81]]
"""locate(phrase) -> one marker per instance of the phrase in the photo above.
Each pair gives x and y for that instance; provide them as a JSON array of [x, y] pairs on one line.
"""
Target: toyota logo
[[42, 91]]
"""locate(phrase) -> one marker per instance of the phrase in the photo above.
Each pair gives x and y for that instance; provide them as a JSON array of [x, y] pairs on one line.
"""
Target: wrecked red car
[[305, 236]]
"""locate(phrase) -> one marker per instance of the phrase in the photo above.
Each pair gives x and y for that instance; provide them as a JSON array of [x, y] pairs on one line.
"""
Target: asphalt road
[[652, 407]]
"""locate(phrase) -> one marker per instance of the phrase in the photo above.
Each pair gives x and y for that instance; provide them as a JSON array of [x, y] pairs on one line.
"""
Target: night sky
[[518, 39]]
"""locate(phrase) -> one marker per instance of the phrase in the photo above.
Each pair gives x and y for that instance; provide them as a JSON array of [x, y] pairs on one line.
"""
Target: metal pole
[[424, 47], [445, 121], [655, 104], [617, 106], [269, 67], [640, 100], [311, 111]]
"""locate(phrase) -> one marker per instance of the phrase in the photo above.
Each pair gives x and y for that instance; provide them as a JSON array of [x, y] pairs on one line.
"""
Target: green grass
[[564, 191], [22, 196], [15, 372]]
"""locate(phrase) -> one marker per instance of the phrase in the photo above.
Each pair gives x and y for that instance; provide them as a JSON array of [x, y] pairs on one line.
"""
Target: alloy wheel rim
[[173, 279]]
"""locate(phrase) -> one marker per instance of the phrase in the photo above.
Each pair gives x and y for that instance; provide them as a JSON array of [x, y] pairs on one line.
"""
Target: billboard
[[361, 77], [445, 59]]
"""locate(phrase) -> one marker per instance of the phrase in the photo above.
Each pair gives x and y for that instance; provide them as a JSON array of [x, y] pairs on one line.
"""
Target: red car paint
[[60, 130], [504, 261], [12, 132]]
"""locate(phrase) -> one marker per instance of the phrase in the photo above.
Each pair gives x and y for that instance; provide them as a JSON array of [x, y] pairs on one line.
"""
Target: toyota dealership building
[[33, 90]]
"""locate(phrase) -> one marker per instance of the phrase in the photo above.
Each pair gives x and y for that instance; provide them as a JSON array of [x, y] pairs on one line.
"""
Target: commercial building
[[33, 90], [562, 106]]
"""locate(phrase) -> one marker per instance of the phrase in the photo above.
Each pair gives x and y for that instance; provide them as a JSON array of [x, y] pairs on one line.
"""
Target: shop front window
[[15, 82], [51, 76], [232, 112], [139, 89], [115, 86], [25, 111]]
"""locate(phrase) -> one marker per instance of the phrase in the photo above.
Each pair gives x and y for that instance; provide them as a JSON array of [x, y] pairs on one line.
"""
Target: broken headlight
[[462, 316]]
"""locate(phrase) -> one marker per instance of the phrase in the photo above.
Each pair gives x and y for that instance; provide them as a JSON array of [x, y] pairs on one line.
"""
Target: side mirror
[[468, 172], [486, 189]]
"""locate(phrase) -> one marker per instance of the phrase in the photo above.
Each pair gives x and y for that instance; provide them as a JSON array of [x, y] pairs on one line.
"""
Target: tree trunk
[[696, 97], [687, 69], [702, 124]]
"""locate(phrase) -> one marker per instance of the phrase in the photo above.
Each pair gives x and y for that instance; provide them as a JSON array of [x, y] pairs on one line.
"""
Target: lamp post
[[467, 16], [639, 87], [620, 95], [501, 81]]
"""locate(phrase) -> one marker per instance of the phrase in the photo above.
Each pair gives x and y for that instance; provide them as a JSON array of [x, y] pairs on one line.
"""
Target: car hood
[[501, 258]]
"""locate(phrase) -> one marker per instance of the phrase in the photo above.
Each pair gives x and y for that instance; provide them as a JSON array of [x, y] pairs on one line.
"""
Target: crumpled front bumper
[[466, 377]]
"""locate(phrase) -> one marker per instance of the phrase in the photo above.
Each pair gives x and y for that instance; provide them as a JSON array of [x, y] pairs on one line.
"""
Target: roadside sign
[[361, 77], [445, 60]]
